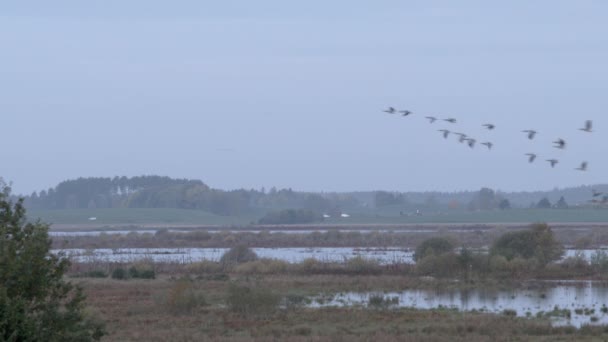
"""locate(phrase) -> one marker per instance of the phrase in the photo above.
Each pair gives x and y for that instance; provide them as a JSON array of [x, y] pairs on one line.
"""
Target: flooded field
[[279, 231], [189, 255], [573, 304]]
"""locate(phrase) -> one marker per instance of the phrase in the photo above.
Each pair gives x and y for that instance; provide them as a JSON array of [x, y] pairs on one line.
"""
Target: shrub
[[433, 246], [119, 273], [183, 298], [142, 272], [444, 265], [537, 242], [361, 265], [237, 255], [96, 274], [251, 300], [263, 266]]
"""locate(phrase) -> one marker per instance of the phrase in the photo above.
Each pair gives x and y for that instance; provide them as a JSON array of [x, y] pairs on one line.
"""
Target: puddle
[[576, 304], [189, 255]]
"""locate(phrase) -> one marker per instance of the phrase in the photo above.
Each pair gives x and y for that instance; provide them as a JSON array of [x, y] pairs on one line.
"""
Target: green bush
[[96, 274], [538, 242], [252, 300], [433, 246], [145, 273], [119, 273]]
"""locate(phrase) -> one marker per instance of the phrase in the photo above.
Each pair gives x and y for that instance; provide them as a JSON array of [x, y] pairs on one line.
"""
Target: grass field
[[195, 310], [137, 216], [165, 216]]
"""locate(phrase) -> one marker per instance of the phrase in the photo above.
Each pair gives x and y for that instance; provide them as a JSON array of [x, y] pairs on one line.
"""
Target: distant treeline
[[165, 192]]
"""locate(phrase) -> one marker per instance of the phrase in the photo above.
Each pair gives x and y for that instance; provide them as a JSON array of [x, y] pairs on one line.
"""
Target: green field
[[137, 216], [164, 216]]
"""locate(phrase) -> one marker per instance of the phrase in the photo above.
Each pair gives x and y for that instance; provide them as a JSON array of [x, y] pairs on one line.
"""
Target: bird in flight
[[560, 143], [553, 162], [463, 137], [431, 118], [405, 112], [390, 110], [489, 126], [583, 167], [450, 120], [488, 144], [531, 157], [531, 133], [588, 126], [445, 132], [471, 142]]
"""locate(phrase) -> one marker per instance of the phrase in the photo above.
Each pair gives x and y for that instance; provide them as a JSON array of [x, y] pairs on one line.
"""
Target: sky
[[251, 94]]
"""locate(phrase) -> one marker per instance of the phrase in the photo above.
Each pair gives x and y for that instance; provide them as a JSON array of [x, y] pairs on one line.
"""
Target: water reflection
[[573, 304], [188, 255]]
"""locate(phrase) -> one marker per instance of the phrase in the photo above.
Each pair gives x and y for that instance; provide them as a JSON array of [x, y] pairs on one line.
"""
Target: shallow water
[[533, 302], [188, 255], [280, 231]]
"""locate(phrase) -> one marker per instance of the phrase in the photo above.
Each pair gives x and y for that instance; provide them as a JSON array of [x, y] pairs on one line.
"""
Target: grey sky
[[262, 93]]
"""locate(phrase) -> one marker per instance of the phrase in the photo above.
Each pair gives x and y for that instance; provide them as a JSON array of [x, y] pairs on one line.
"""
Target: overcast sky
[[290, 94]]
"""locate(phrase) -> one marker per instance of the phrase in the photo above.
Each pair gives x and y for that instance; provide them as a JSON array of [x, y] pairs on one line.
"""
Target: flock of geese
[[529, 133]]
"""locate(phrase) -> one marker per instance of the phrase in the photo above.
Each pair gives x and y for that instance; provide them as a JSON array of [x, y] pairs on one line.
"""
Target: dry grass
[[135, 310]]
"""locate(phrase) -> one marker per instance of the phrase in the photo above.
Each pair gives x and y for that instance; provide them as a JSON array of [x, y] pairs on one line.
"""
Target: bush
[[36, 303], [538, 242], [96, 274], [237, 255], [252, 301], [361, 265], [433, 246], [119, 273], [142, 272], [444, 265], [183, 298], [263, 266]]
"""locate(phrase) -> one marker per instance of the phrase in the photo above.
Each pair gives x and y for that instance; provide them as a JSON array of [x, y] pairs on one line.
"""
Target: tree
[[544, 204], [538, 242], [36, 304], [504, 204], [561, 204]]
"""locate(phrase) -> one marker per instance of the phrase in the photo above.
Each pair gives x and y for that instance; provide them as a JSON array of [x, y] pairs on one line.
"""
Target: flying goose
[[445, 132], [531, 157], [431, 118], [560, 143], [488, 144], [583, 167], [489, 126], [405, 112], [553, 162], [390, 110], [531, 133], [471, 142], [463, 137], [450, 120], [588, 126]]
